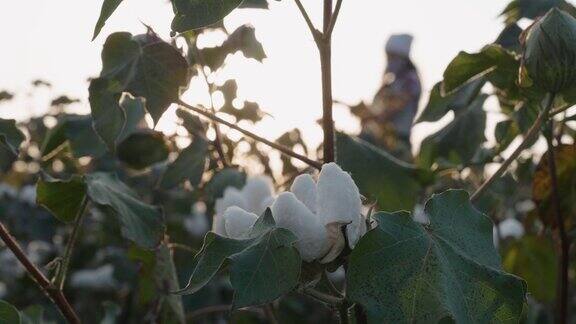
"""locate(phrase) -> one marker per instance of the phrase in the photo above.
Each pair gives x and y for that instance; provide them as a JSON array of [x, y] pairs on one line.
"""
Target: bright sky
[[50, 40]]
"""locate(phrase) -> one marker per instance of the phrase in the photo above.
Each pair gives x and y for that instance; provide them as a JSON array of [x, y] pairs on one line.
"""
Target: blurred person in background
[[387, 123]]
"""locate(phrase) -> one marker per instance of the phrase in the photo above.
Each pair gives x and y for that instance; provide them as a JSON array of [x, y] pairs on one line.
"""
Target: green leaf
[[33, 315], [143, 148], [9, 313], [190, 165], [194, 14], [62, 198], [505, 133], [108, 8], [145, 66], [166, 280], [394, 184], [141, 223], [456, 143], [534, 259], [228, 177], [108, 116], [405, 272], [135, 113], [82, 138], [10, 139], [497, 64], [255, 263], [438, 106]]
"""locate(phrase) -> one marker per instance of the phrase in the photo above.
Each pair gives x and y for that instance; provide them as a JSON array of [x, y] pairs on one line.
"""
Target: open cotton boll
[[291, 214], [238, 222], [304, 188], [339, 200], [266, 203], [232, 197], [257, 190]]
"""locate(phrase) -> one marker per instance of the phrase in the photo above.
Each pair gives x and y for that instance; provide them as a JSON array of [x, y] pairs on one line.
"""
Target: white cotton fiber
[[257, 190], [238, 222], [339, 200], [231, 197], [293, 215], [304, 188]]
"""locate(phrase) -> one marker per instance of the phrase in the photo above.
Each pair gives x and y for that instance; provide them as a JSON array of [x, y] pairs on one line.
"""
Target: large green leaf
[[493, 61], [405, 272], [269, 256], [9, 313], [456, 143], [78, 132], [438, 106], [108, 8], [64, 199], [142, 149], [141, 223], [394, 184], [108, 116], [190, 165], [144, 66], [194, 14]]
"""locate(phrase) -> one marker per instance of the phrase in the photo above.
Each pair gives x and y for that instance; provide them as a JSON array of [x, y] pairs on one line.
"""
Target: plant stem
[[53, 293], [63, 270], [269, 311], [530, 135], [564, 259], [344, 313], [334, 18], [315, 33], [323, 297], [325, 48], [276, 146]]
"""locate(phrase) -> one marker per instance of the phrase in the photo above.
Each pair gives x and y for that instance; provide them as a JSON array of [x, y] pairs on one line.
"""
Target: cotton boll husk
[[238, 222], [304, 188], [339, 200], [257, 190], [290, 213]]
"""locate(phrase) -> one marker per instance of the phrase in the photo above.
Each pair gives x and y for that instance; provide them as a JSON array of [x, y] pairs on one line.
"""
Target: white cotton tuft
[[231, 197], [304, 188], [257, 190], [511, 228], [267, 203], [339, 200], [293, 215], [238, 222]]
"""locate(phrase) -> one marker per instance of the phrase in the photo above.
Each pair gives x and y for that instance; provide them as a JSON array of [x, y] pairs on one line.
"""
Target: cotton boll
[[28, 194], [304, 188], [291, 214], [339, 200], [267, 203], [238, 222], [197, 224], [511, 228], [101, 278], [231, 197], [218, 225], [257, 190]]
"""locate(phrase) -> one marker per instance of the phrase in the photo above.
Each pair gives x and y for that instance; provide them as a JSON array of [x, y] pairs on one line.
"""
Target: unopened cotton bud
[[339, 200], [304, 188], [291, 214], [549, 57], [257, 190], [238, 222]]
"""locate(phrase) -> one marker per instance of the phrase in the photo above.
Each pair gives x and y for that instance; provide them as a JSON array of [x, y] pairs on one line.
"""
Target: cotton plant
[[315, 211]]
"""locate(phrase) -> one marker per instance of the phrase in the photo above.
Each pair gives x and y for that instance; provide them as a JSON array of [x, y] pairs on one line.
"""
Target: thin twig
[[325, 48], [328, 33], [560, 110], [315, 32], [53, 293], [530, 135], [183, 247], [344, 313], [564, 259], [216, 309], [63, 270], [276, 146], [218, 138]]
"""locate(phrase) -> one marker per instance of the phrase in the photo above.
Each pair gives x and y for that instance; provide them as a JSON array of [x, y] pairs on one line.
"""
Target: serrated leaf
[[404, 272], [108, 8], [140, 222], [9, 313], [394, 184], [62, 198], [189, 164], [194, 14]]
